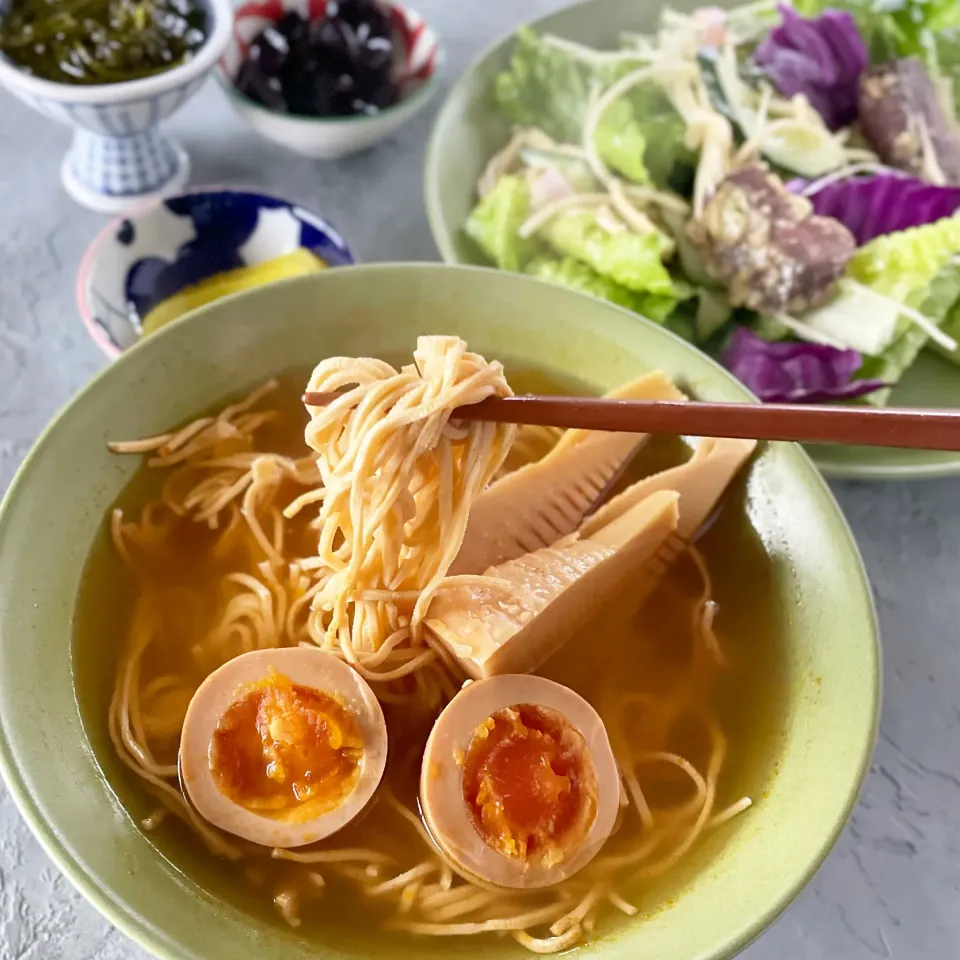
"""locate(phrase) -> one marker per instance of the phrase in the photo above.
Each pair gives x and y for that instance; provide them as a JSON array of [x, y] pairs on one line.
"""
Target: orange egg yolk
[[286, 751], [528, 785]]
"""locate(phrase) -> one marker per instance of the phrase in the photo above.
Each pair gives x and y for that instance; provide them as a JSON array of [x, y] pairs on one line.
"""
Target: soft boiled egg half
[[282, 747], [519, 785]]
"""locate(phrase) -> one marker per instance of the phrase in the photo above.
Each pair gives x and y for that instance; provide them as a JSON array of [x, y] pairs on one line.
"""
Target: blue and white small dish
[[120, 159], [136, 263]]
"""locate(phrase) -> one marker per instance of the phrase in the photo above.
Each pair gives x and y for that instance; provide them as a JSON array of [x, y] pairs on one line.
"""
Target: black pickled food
[[340, 65]]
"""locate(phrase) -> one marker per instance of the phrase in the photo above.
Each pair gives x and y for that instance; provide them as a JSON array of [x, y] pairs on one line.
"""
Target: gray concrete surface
[[890, 889]]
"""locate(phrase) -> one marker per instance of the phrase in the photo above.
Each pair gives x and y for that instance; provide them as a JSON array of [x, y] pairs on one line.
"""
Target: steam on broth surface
[[689, 694]]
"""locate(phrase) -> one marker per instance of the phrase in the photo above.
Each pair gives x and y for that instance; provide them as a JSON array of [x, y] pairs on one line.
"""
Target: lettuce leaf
[[544, 88], [946, 52], [547, 88], [651, 144], [898, 28], [668, 160], [912, 26], [951, 327], [705, 318], [621, 143], [640, 136], [496, 220], [659, 307], [568, 272], [713, 312], [628, 258], [902, 265], [940, 300], [858, 317], [898, 268]]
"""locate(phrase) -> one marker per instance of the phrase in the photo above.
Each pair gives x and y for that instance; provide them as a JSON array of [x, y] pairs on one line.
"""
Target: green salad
[[777, 184]]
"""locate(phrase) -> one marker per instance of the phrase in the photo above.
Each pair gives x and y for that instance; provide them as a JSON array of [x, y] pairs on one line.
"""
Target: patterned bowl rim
[[273, 9], [84, 271], [108, 93]]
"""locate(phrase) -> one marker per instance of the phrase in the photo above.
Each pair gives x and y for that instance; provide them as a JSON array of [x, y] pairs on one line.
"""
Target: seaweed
[[101, 41]]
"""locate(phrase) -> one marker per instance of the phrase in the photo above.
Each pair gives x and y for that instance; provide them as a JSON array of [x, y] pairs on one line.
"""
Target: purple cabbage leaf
[[873, 206], [822, 58], [787, 372]]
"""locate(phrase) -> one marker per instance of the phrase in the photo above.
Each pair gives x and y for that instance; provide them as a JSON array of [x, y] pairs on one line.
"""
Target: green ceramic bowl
[[54, 747], [470, 129]]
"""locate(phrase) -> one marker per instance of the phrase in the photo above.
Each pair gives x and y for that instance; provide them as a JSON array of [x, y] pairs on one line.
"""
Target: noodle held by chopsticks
[[398, 482]]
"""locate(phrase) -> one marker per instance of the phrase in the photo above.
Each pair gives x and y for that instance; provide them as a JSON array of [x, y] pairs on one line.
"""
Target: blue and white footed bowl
[[139, 261], [119, 158]]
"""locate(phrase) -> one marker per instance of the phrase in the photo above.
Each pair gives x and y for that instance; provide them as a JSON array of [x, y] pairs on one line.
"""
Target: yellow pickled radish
[[297, 263]]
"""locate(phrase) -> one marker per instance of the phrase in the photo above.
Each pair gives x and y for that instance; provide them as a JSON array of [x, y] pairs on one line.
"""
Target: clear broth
[[749, 701]]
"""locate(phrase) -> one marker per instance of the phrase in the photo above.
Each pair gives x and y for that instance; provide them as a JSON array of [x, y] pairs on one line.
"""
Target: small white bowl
[[328, 138], [119, 158], [136, 262]]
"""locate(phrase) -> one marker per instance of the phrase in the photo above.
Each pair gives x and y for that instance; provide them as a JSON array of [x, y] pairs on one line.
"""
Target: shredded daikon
[[639, 222], [920, 319], [589, 55], [505, 160], [713, 136], [808, 333], [656, 71], [845, 173], [669, 201], [584, 201], [931, 168]]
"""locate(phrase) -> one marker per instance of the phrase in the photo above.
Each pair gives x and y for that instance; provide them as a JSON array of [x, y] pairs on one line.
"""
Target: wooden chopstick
[[922, 429]]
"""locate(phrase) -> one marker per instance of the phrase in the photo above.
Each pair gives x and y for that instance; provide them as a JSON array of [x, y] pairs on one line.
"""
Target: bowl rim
[[106, 94], [84, 270], [419, 96], [143, 933], [430, 178]]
